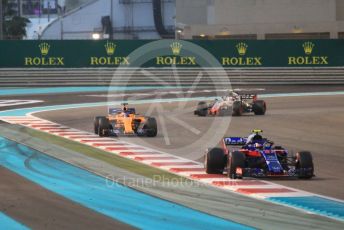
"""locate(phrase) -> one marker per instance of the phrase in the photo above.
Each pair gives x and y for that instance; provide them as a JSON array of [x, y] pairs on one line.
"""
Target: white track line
[[4, 103]]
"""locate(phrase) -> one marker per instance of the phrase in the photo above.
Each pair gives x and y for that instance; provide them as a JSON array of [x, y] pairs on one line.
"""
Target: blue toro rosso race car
[[256, 156]]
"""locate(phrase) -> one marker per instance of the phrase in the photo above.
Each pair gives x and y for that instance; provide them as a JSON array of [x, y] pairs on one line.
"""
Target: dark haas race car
[[256, 156], [234, 104], [125, 121]]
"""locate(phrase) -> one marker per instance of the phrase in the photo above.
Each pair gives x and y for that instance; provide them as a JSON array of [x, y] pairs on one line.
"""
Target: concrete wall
[[261, 17], [192, 11], [340, 10], [83, 22], [277, 11]]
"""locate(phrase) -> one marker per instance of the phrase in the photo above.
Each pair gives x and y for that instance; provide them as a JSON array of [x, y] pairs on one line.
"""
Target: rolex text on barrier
[[114, 53]]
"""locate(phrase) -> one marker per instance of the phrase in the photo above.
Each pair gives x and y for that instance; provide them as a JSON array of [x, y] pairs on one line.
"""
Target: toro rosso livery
[[125, 121], [256, 156], [233, 104]]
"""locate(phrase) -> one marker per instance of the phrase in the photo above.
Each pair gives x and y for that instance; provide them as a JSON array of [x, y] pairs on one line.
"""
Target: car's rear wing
[[120, 110], [115, 110], [248, 96], [234, 140]]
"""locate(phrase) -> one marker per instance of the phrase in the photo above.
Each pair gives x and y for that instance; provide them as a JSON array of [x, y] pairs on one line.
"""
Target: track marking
[[148, 158], [107, 144], [173, 163], [122, 148], [207, 176], [98, 141], [191, 170], [263, 190], [5, 103], [128, 154], [238, 183]]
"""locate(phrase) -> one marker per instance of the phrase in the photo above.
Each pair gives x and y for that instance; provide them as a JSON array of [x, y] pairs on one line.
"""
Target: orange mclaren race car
[[125, 121]]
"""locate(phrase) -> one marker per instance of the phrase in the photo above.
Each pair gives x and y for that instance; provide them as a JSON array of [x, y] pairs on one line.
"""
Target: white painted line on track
[[148, 156], [4, 103]]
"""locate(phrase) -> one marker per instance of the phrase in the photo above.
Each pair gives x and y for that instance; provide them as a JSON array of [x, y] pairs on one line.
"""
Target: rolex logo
[[44, 47], [308, 58], [44, 59], [308, 47], [242, 48], [110, 48], [176, 47]]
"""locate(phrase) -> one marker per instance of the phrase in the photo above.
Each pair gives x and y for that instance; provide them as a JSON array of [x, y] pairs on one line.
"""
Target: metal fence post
[[1, 21]]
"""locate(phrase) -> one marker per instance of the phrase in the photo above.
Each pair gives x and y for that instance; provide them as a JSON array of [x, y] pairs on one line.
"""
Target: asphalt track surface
[[89, 97], [300, 123], [314, 123]]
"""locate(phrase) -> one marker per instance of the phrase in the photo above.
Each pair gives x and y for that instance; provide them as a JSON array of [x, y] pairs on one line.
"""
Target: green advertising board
[[228, 53]]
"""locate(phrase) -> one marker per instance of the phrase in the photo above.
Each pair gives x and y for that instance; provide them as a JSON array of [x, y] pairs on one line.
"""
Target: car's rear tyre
[[202, 109], [151, 127], [304, 164], [236, 160], [103, 127], [96, 124], [259, 107], [215, 161], [237, 109]]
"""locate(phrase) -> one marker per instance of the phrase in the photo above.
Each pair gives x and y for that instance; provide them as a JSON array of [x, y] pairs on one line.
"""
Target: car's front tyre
[[103, 127], [304, 165], [214, 161]]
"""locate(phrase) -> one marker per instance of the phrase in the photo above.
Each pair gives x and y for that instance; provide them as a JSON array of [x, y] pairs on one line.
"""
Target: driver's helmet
[[257, 137], [253, 138], [258, 146]]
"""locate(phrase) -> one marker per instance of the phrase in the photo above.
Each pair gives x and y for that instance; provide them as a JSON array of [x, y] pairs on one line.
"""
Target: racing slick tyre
[[237, 108], [151, 127], [202, 109], [304, 164], [103, 127], [214, 161], [236, 160], [96, 124], [259, 107]]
